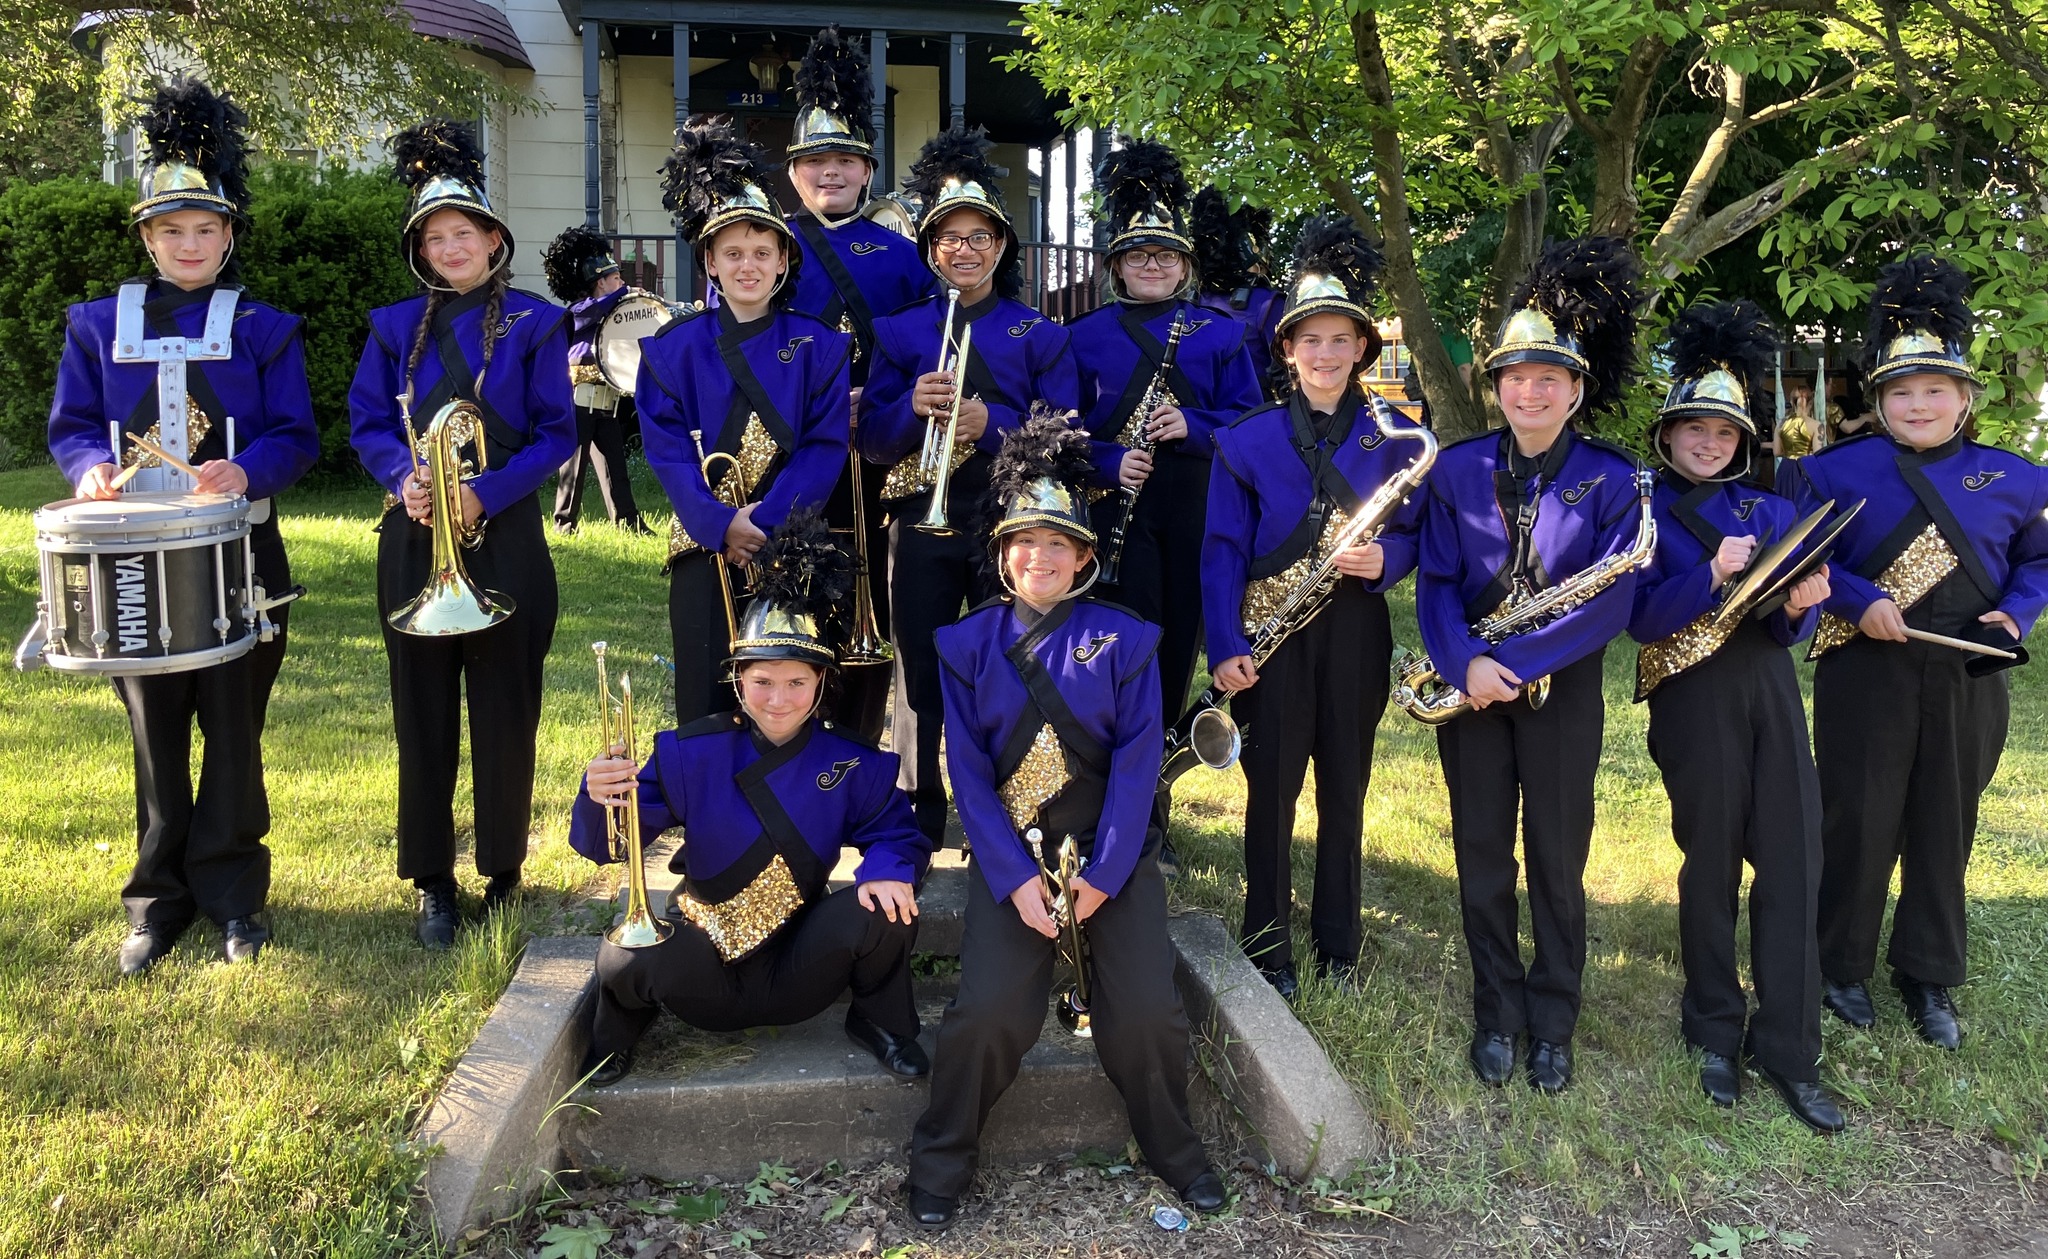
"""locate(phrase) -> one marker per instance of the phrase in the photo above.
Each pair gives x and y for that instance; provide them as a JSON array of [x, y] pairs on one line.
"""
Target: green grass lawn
[[265, 1110]]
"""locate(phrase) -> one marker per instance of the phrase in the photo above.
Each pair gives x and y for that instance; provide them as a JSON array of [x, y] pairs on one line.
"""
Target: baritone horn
[[450, 603], [639, 929], [732, 616], [864, 644], [942, 466]]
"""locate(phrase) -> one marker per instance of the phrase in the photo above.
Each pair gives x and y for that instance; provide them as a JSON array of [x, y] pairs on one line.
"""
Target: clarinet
[[1137, 436]]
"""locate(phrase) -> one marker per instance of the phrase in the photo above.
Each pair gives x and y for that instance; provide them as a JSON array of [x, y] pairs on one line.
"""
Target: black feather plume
[[567, 261], [1223, 264], [1735, 335], [710, 165], [962, 153], [802, 568], [187, 122], [1142, 177], [1331, 244], [439, 146], [834, 76], [1591, 288], [1922, 293]]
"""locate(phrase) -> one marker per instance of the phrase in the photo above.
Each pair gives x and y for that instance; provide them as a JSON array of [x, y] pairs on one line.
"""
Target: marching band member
[[1018, 357], [1512, 513], [767, 797], [1118, 350], [1907, 734], [469, 337], [1727, 724], [1287, 475], [203, 853], [855, 270], [762, 384], [1230, 261], [583, 275], [1052, 707]]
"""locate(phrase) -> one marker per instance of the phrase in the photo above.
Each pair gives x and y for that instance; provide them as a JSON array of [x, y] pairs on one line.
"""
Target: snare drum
[[638, 314], [146, 583]]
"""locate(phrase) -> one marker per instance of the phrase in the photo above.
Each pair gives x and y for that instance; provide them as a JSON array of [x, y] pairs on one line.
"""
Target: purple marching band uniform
[[772, 392], [600, 415], [1230, 249], [760, 941], [1906, 735], [1018, 357], [197, 854], [1283, 470]]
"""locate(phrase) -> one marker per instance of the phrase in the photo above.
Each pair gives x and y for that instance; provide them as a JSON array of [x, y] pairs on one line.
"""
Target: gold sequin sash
[[1040, 776], [1922, 566], [1668, 657], [905, 479], [757, 454], [739, 925], [197, 426], [1263, 597]]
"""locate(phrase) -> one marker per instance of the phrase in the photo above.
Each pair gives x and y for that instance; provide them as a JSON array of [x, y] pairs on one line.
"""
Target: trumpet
[[639, 929], [450, 603], [732, 616], [864, 643], [1431, 699], [942, 467], [1073, 942], [927, 455], [1205, 734]]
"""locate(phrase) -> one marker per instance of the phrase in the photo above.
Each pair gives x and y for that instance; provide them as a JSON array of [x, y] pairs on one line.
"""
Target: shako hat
[[1335, 268], [1920, 321], [195, 153], [1721, 359], [575, 261], [442, 164], [835, 97], [1146, 197], [1039, 478], [1576, 309], [953, 172], [714, 179], [801, 591]]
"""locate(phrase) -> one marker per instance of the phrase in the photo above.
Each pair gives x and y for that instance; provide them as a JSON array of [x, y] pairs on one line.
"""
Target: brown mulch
[[1959, 1207]]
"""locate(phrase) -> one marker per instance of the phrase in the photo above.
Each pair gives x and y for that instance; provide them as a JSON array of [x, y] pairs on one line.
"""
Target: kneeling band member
[[1727, 725], [743, 408], [1053, 736], [195, 854], [1907, 733], [766, 798], [1289, 477], [1511, 515]]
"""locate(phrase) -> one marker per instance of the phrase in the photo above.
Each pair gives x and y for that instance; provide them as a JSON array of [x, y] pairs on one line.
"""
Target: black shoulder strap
[[1944, 518], [460, 380], [1050, 705], [1151, 353], [775, 820], [843, 283], [1687, 509], [751, 389]]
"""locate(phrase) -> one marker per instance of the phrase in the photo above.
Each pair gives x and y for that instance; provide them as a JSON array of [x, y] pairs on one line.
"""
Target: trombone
[[1073, 944], [732, 617], [639, 929], [864, 644], [941, 468]]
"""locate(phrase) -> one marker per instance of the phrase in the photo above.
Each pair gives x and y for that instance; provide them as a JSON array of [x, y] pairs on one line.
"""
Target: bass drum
[[146, 583], [638, 314]]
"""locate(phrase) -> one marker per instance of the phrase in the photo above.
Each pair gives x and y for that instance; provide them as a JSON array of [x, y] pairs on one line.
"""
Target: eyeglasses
[[1153, 260], [979, 242]]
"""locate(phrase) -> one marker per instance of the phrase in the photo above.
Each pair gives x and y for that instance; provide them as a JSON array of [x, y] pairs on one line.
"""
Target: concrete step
[[808, 1095], [941, 907]]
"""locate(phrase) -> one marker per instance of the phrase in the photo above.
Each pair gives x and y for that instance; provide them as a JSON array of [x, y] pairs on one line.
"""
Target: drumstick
[[1960, 644], [126, 475], [149, 447]]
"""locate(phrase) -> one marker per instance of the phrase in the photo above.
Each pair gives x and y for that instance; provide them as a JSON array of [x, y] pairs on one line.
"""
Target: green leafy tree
[[1463, 132]]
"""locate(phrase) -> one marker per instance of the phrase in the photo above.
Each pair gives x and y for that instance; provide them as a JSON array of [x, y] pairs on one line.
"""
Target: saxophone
[[1425, 695], [1205, 734]]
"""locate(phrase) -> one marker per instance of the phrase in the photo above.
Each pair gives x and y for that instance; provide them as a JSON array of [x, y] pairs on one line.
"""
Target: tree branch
[[1569, 98], [2011, 50]]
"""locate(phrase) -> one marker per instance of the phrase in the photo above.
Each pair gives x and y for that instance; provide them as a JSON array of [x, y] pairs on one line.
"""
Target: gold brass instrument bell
[[1073, 940], [450, 603], [864, 641], [937, 460], [738, 492], [639, 929]]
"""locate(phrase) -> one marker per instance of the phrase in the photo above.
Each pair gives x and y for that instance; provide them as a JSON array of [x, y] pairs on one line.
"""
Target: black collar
[[767, 747], [1146, 312], [980, 308], [1913, 457], [460, 305], [1548, 464], [730, 326]]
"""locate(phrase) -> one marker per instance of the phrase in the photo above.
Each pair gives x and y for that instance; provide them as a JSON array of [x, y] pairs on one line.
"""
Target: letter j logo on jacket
[[1577, 494], [838, 773], [1086, 654]]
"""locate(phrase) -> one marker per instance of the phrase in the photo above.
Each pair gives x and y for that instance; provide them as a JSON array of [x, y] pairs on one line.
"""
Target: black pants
[[502, 668], [833, 945], [1542, 762], [1161, 573], [932, 579], [1318, 698], [204, 853], [600, 448], [699, 633], [1729, 736], [863, 702], [1906, 743], [1006, 974]]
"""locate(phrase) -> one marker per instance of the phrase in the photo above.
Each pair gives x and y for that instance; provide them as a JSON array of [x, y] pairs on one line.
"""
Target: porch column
[[956, 78], [1100, 150], [878, 67], [593, 33], [685, 279]]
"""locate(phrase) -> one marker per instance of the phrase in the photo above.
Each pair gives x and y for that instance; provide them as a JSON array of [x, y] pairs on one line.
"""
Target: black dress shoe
[[929, 1210], [1493, 1056], [1806, 1099], [1205, 1193], [1338, 970], [438, 918], [900, 1056], [243, 939], [601, 1069], [1932, 1010], [145, 947], [1550, 1066], [1719, 1079], [1284, 981], [502, 890], [1848, 1002]]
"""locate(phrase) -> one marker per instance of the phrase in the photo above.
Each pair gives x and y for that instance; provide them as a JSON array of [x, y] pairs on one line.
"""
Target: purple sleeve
[[552, 432], [2026, 587], [1401, 543], [1236, 392], [1439, 608], [1226, 556], [1670, 605], [1056, 382], [78, 418], [1849, 596], [375, 430], [888, 431], [672, 455], [971, 769], [1133, 777], [819, 460], [290, 440], [892, 848]]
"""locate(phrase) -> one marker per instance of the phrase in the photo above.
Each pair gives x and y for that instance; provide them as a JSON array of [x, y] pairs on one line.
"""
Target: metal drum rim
[[137, 666]]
